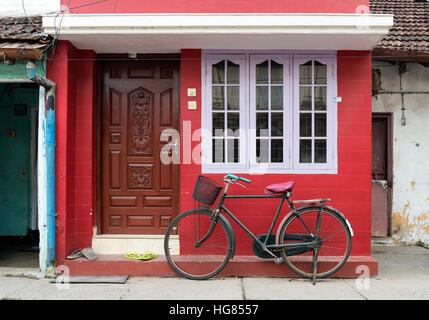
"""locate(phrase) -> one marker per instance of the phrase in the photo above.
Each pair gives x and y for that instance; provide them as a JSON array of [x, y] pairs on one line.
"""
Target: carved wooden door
[[139, 100]]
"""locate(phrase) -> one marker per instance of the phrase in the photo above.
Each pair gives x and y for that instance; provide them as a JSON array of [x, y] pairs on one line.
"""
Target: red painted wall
[[350, 189], [74, 73], [219, 6]]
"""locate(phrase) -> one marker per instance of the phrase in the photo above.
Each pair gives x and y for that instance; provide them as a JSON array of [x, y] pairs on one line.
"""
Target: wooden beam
[[399, 55], [22, 54]]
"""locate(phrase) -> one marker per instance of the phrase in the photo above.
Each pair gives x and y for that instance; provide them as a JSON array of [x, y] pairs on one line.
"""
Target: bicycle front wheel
[[334, 242], [190, 257]]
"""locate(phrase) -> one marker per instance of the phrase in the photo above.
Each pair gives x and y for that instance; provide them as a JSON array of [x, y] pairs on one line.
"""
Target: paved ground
[[403, 274]]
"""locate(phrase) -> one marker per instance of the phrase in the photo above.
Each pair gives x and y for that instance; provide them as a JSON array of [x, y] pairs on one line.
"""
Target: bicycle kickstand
[[314, 266]]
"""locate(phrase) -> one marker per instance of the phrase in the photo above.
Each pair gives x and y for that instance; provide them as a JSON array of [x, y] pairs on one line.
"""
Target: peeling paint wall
[[14, 8], [407, 85]]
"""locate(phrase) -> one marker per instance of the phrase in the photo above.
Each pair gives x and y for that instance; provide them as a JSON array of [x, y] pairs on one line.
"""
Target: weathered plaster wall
[[410, 192], [32, 7], [18, 70]]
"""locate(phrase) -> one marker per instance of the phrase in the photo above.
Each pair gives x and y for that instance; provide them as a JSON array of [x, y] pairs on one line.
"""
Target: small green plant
[[422, 244]]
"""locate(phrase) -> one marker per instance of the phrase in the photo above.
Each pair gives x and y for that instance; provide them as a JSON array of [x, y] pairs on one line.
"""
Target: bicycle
[[308, 234]]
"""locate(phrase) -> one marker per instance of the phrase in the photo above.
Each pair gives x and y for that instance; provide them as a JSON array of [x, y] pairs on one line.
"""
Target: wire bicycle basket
[[206, 190]]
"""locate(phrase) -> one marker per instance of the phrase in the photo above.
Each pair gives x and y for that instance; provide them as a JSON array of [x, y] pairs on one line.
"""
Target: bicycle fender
[[343, 217], [306, 206]]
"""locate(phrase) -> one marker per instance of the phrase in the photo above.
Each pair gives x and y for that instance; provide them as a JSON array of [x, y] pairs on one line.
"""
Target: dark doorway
[[381, 184], [19, 235]]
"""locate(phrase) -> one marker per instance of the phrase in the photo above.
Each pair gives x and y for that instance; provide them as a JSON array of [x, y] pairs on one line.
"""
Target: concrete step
[[123, 243]]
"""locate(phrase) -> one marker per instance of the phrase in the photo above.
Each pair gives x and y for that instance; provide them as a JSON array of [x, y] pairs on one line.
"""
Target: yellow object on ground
[[148, 255]]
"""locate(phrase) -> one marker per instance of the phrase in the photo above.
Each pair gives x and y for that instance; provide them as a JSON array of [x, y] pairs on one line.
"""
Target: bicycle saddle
[[280, 187]]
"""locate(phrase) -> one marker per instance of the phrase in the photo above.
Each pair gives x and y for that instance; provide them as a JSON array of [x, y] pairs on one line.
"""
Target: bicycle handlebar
[[234, 177]]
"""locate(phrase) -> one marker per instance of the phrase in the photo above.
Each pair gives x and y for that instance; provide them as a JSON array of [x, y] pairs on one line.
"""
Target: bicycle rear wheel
[[190, 259], [334, 243]]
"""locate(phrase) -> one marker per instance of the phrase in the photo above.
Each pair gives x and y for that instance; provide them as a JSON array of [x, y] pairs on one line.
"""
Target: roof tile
[[410, 31], [22, 29]]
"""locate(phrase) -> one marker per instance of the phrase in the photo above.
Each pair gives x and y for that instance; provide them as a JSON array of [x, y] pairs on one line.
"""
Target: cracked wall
[[407, 85]]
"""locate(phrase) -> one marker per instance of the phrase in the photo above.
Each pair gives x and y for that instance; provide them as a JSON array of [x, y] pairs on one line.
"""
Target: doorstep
[[241, 266], [111, 244]]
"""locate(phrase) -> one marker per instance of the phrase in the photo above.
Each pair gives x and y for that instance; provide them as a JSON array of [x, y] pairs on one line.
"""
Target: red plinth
[[242, 266]]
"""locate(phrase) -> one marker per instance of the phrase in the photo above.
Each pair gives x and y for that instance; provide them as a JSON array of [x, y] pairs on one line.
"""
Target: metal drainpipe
[[50, 86]]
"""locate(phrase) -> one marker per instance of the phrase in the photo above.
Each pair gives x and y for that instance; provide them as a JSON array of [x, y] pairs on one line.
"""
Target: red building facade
[[339, 36]]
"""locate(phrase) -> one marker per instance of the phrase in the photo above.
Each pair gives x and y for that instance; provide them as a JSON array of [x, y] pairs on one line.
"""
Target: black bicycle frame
[[263, 245]]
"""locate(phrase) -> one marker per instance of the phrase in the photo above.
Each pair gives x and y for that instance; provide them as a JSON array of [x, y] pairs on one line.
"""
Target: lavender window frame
[[290, 163]]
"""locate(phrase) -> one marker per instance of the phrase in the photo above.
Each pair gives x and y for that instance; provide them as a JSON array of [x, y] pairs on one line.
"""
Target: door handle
[[387, 185]]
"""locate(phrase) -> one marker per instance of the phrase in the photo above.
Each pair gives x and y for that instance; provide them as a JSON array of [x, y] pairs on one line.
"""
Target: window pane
[[320, 124], [319, 98], [218, 124], [305, 125], [218, 73], [233, 119], [305, 97], [276, 124], [233, 98], [305, 151], [262, 150], [218, 150], [276, 150], [233, 150], [320, 76], [320, 151], [262, 124], [276, 72], [218, 98], [277, 98], [305, 76], [261, 98], [233, 73], [262, 73]]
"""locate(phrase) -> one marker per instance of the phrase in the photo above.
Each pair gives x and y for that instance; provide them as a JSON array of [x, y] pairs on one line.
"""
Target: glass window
[[262, 73], [269, 111], [225, 92], [218, 73], [305, 73], [262, 98], [313, 115], [233, 74], [218, 98], [320, 73], [269, 107], [305, 98], [276, 73], [277, 98], [233, 94]]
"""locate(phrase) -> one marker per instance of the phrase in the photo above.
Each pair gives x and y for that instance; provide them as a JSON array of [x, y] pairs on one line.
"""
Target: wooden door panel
[[139, 192], [379, 148], [379, 208], [115, 106], [140, 123], [114, 169]]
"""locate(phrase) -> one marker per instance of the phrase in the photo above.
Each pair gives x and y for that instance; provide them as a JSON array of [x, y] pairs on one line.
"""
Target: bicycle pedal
[[278, 260]]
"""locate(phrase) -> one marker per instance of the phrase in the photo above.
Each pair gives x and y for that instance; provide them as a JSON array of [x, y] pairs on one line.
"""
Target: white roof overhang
[[149, 33]]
